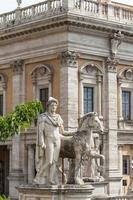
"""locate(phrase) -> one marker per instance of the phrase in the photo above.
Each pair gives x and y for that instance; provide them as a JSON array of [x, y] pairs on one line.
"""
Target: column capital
[[17, 66], [112, 64], [99, 78], [69, 58]]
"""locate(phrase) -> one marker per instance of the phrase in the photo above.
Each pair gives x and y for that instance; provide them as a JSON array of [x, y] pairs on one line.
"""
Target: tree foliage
[[22, 117], [4, 198]]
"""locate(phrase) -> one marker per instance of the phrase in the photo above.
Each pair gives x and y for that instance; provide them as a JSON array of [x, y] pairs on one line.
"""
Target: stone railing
[[89, 8], [29, 13], [125, 124], [114, 198]]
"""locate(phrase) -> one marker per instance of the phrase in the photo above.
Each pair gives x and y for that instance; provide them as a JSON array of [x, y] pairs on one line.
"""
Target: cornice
[[70, 20]]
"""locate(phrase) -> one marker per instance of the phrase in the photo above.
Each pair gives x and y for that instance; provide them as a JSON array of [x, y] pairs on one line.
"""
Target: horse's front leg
[[78, 161], [95, 154]]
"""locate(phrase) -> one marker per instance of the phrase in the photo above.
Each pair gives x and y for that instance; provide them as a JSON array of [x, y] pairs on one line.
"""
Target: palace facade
[[80, 52]]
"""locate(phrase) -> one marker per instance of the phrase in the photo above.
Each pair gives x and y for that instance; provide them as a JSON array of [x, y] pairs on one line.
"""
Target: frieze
[[71, 22]]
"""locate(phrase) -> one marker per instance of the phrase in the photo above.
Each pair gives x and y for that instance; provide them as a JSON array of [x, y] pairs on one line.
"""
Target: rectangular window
[[1, 104], [126, 105], [88, 99], [44, 97], [126, 165]]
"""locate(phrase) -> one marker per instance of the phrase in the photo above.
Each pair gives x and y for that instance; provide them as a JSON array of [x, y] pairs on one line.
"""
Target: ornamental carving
[[112, 64], [91, 70], [17, 66], [126, 74], [115, 42], [3, 81], [40, 72], [69, 58]]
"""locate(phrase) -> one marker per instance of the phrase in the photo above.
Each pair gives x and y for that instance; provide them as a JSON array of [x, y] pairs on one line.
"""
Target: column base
[[16, 178]]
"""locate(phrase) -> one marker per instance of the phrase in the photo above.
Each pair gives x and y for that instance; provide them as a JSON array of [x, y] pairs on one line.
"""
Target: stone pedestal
[[66, 192], [100, 188]]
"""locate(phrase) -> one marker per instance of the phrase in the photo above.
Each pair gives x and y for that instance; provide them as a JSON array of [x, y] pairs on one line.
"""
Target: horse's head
[[90, 120]]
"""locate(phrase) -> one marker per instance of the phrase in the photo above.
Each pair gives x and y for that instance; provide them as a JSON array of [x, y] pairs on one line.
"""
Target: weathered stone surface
[[68, 192]]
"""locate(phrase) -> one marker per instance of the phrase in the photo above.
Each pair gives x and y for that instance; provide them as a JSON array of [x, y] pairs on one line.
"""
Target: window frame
[[130, 106], [41, 88], [128, 165], [44, 81], [92, 99]]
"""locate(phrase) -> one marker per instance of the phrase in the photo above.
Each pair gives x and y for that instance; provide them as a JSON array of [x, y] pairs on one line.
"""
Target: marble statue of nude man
[[50, 132]]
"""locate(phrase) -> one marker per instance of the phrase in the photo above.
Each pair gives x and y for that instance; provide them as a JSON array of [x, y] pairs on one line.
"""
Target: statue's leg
[[92, 166], [78, 161], [53, 173], [45, 169]]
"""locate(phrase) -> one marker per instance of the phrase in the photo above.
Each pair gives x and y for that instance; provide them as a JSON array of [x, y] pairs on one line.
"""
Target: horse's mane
[[87, 115]]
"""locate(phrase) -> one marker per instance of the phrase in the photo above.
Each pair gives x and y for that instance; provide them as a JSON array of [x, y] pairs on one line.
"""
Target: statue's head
[[52, 104], [90, 120]]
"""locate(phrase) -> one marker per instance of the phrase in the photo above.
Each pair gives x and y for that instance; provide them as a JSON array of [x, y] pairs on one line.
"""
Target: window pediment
[[90, 69], [126, 74], [43, 71]]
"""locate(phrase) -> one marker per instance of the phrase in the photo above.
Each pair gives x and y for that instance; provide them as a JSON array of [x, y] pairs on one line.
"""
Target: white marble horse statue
[[81, 146]]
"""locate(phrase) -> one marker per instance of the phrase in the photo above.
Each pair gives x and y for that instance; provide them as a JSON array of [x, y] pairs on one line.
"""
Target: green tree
[[4, 198], [20, 118]]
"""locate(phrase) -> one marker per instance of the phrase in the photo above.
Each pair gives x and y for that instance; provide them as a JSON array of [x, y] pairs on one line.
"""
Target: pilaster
[[99, 99], [16, 172], [113, 172], [69, 89], [31, 164], [120, 117]]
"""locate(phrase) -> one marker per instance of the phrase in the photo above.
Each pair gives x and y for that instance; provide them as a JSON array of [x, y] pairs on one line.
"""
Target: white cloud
[[9, 5]]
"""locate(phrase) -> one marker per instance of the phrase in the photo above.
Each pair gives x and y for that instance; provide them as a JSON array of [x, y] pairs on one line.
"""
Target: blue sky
[[9, 5]]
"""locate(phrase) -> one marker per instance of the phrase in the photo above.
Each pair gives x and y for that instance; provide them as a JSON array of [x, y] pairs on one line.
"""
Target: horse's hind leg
[[78, 161], [71, 171]]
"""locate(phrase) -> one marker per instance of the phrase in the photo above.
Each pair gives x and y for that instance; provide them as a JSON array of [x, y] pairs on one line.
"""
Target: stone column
[[120, 99], [111, 115], [69, 89], [99, 99], [16, 174], [120, 162], [31, 164], [10, 158], [81, 94]]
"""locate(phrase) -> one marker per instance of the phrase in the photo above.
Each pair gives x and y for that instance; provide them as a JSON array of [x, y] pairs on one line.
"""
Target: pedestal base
[[101, 188], [66, 192]]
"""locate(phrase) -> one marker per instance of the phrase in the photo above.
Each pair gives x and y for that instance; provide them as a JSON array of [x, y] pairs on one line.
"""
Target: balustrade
[[108, 11]]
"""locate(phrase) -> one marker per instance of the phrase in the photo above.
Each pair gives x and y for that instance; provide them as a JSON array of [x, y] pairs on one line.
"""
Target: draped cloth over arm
[[40, 153]]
